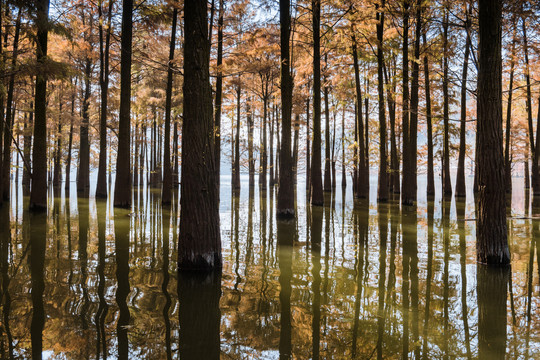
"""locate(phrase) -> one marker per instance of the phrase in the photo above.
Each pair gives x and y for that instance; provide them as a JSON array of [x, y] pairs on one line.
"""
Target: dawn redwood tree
[[447, 184], [122, 185], [285, 203], [317, 196], [405, 114], [38, 195], [491, 236], [167, 172], [101, 187], [430, 189], [199, 243]]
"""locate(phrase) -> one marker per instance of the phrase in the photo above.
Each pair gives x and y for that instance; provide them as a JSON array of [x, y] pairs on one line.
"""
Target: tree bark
[[405, 185], [38, 195], [251, 159], [199, 243], [317, 196], [430, 190], [327, 171], [167, 173], [236, 162], [122, 186], [83, 180], [285, 203], [507, 149], [360, 162], [491, 238]]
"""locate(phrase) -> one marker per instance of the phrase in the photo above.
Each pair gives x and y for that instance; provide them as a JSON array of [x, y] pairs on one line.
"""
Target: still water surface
[[350, 280]]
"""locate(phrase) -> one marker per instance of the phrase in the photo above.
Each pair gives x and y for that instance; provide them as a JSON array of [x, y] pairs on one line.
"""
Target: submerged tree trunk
[[317, 197], [101, 187], [382, 191], [361, 168], [430, 189], [446, 181], [199, 242], [491, 238], [285, 203], [167, 173], [460, 179], [38, 196], [122, 186]]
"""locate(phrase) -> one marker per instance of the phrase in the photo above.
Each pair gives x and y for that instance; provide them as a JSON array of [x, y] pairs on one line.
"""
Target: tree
[[491, 237], [167, 173], [285, 203], [447, 184], [199, 243], [317, 196], [122, 185], [382, 191], [38, 195]]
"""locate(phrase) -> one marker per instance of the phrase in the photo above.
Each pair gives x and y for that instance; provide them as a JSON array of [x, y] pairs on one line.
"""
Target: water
[[344, 281]]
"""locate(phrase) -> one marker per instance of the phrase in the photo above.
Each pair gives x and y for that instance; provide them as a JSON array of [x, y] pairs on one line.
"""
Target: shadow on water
[[121, 237], [38, 238]]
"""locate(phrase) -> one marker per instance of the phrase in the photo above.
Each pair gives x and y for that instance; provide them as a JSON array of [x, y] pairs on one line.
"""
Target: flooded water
[[350, 280]]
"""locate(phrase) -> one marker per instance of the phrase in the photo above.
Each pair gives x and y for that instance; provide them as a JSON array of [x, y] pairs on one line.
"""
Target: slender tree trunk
[[167, 173], [70, 143], [199, 242], [447, 184], [308, 146], [343, 172], [361, 168], [507, 160], [394, 157], [535, 176], [272, 179], [285, 203], [136, 157], [219, 91], [58, 151], [327, 160], [460, 180], [430, 190], [83, 180], [407, 173], [101, 186], [236, 162], [382, 191], [122, 186], [251, 159], [8, 124], [27, 150], [491, 237], [38, 196], [175, 154], [296, 126], [317, 197]]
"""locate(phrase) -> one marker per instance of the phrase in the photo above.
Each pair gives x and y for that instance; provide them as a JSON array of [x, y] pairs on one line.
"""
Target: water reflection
[[352, 280]]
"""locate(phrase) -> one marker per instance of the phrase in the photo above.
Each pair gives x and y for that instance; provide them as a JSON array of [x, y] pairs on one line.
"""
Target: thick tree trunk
[[491, 237], [382, 191], [430, 190], [199, 242], [122, 186], [167, 173], [446, 181], [317, 196], [285, 203], [101, 187], [38, 196], [460, 179]]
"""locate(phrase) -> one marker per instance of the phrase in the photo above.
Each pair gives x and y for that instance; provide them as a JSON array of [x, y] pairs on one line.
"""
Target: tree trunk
[[8, 124], [460, 179], [27, 150], [199, 242], [83, 180], [122, 186], [308, 146], [58, 151], [507, 149], [285, 203], [264, 145], [491, 238], [343, 171], [361, 168], [236, 162], [317, 197], [382, 191], [70, 143], [407, 197], [430, 190], [272, 179], [327, 162], [38, 196], [101, 187], [219, 91], [446, 181], [296, 126], [251, 159], [394, 157], [167, 173]]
